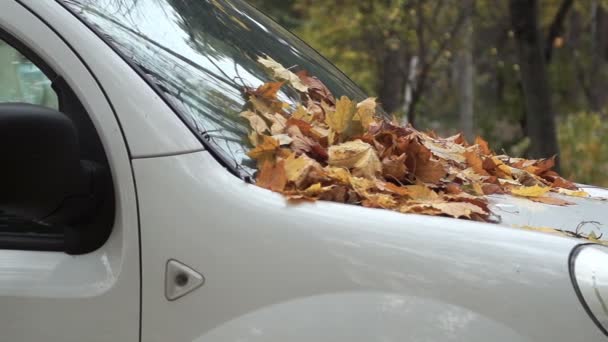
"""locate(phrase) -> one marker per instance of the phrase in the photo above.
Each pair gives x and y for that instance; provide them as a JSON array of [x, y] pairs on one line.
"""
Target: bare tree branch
[[556, 27]]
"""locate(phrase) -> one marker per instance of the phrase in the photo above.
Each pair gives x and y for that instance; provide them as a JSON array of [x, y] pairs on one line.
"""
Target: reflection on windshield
[[201, 54]]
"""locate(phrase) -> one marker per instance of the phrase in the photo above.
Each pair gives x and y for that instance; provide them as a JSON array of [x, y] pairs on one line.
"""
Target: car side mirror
[[40, 160]]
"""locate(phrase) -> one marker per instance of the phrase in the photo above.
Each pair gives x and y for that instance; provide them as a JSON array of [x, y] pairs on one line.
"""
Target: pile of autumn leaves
[[342, 151]]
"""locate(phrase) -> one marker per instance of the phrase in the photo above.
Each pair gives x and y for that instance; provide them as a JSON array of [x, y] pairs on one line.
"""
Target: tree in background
[[514, 71]]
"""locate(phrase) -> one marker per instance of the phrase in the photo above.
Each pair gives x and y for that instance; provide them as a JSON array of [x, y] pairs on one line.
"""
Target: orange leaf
[[272, 176]]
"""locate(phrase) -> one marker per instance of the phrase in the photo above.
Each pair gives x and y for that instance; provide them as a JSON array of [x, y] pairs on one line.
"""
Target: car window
[[22, 81], [201, 55]]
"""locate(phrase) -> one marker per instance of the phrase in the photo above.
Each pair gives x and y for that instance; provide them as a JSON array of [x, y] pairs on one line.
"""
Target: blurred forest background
[[527, 75]]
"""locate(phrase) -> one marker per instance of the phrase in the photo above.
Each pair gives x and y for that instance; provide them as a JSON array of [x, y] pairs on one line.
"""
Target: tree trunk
[[466, 76], [540, 120], [392, 85], [598, 46], [410, 87]]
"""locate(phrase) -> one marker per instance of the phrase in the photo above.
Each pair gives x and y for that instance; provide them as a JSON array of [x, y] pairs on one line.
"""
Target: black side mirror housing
[[42, 177]]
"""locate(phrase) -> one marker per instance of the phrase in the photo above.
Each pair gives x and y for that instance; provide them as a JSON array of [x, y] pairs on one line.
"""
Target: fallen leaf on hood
[[298, 168], [530, 191], [341, 118], [265, 151], [348, 152], [356, 155], [579, 193], [551, 200], [366, 110], [272, 176], [393, 167]]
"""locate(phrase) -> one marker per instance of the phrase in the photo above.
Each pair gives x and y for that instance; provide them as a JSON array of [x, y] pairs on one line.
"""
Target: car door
[[47, 294]]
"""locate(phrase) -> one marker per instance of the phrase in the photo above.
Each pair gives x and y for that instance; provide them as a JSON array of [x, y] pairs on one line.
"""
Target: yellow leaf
[[340, 174], [574, 193], [366, 110], [297, 168], [530, 191], [551, 200], [264, 151], [255, 121], [356, 155], [280, 73], [302, 114], [421, 192], [340, 119]]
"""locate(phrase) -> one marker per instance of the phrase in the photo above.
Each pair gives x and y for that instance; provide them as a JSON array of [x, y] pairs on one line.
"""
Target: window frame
[[58, 238]]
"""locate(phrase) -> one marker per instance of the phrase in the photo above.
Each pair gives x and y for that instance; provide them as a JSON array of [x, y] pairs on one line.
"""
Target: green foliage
[[583, 139], [357, 35]]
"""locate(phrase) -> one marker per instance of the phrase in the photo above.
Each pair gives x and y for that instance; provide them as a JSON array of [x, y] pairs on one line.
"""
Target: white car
[[128, 213]]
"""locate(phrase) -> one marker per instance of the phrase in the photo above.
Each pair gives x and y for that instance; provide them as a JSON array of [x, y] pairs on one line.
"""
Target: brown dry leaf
[[272, 176], [345, 152], [355, 155], [475, 162], [393, 167], [483, 146], [392, 188], [317, 90], [490, 189], [530, 191], [421, 192], [279, 72], [268, 90], [551, 200], [459, 209]]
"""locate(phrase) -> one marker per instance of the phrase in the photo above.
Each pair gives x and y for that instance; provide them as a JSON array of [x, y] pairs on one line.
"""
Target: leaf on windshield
[[280, 73]]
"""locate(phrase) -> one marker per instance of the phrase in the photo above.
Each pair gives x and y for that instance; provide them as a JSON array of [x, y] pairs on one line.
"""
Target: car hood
[[586, 214]]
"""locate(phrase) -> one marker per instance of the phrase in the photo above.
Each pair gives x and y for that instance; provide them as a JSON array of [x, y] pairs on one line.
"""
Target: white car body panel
[[273, 271], [269, 264], [52, 296]]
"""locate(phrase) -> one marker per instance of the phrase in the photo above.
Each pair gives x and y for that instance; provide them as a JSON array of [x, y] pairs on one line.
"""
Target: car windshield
[[201, 54]]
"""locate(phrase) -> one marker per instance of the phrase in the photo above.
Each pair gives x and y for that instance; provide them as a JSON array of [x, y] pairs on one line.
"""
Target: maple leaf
[[267, 90], [393, 167], [366, 110], [572, 193], [344, 152], [356, 155], [255, 121], [483, 146], [475, 162], [551, 200], [272, 176], [379, 201], [530, 191], [265, 151], [298, 168], [317, 90], [279, 72], [340, 120]]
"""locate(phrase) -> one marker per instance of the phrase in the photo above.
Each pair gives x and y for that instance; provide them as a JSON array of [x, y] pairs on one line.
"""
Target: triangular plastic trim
[[180, 280]]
